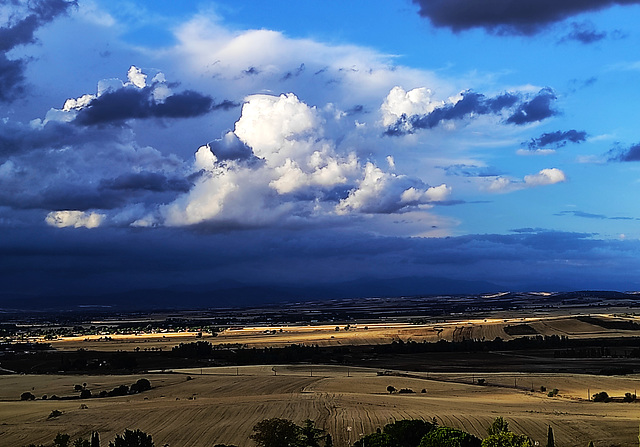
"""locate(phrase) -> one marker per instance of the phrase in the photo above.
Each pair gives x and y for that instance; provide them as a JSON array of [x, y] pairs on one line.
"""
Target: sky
[[208, 145]]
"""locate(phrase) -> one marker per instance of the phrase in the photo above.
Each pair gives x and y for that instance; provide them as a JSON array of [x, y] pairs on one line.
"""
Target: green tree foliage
[[310, 436], [328, 441], [550, 439], [62, 440], [499, 425], [506, 439], [407, 432], [27, 396], [602, 396], [193, 350], [81, 442], [275, 432], [449, 437], [140, 386], [375, 440], [54, 414], [131, 438]]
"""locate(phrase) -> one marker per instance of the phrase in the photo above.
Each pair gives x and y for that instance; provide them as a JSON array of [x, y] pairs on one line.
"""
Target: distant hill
[[236, 294]]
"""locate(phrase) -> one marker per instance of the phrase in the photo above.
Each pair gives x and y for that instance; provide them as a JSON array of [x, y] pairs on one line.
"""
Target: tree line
[[279, 432]]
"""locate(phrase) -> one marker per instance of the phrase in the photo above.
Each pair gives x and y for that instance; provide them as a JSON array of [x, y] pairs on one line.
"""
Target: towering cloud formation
[[295, 171], [525, 17], [25, 20]]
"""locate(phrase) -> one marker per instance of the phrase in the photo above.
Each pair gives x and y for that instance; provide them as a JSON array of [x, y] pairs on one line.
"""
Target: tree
[[81, 442], [140, 386], [375, 440], [61, 440], [328, 441], [407, 432], [506, 439], [85, 394], [275, 432], [499, 425], [131, 438], [391, 389], [550, 440], [590, 444], [27, 396], [602, 396], [449, 437], [310, 436], [95, 439]]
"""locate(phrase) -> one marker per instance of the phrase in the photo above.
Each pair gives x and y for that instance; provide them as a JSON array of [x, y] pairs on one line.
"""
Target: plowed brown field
[[222, 405]]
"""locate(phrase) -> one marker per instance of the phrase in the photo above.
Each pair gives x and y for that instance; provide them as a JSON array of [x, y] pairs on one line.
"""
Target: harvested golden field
[[221, 405], [358, 334]]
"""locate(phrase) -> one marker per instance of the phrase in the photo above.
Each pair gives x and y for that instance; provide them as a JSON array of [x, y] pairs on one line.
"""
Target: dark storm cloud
[[557, 139], [536, 109], [225, 105], [22, 32], [584, 33], [19, 138], [630, 154], [472, 103], [520, 17], [62, 196], [131, 102], [90, 262], [147, 181]]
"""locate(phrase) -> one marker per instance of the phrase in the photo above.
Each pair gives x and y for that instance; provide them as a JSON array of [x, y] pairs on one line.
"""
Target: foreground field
[[221, 405]]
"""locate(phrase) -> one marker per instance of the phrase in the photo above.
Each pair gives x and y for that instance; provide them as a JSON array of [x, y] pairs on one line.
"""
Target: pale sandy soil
[[326, 335], [222, 405]]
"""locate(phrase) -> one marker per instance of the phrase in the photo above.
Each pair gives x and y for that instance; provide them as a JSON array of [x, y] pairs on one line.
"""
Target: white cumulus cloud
[[76, 219]]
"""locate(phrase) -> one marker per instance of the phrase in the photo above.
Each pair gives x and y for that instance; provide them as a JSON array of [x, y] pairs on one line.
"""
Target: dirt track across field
[[221, 405]]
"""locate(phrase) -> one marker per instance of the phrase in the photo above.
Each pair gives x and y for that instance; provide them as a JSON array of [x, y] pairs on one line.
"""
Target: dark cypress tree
[[590, 444], [95, 439], [328, 441], [550, 441]]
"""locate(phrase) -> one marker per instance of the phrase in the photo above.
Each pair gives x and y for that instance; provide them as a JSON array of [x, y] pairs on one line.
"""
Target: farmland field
[[221, 405], [358, 334]]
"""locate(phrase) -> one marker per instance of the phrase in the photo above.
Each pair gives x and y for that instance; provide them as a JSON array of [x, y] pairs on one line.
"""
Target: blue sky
[[206, 143]]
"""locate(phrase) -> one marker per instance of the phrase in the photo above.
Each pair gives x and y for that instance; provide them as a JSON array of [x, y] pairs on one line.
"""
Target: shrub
[[406, 391], [27, 396], [481, 381], [602, 396], [543, 388], [628, 397], [54, 414], [140, 386]]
